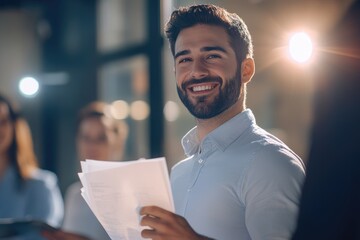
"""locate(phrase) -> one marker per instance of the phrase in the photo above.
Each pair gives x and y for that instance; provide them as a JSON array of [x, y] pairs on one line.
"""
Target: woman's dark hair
[[21, 152]]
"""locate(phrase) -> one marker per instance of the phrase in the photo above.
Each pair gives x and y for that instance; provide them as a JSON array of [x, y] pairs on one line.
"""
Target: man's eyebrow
[[213, 48], [184, 52], [203, 49]]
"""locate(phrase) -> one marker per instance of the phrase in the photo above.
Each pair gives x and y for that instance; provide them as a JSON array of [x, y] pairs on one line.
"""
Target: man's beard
[[229, 92]]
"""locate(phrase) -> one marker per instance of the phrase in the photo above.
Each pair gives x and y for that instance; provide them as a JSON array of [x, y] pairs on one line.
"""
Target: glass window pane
[[124, 83], [120, 23]]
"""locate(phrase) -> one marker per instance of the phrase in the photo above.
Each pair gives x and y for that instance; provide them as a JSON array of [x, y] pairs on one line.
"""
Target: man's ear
[[247, 70]]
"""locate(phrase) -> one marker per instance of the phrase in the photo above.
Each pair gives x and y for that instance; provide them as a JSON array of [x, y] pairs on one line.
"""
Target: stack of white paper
[[115, 192]]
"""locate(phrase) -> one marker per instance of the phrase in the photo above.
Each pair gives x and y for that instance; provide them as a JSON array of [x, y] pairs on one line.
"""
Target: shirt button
[[200, 161], [189, 190]]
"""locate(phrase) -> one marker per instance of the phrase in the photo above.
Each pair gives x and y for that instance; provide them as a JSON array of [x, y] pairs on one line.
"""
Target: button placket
[[200, 158]]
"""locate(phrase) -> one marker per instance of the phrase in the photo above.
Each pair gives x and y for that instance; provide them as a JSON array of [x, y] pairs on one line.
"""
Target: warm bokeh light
[[139, 110], [171, 111], [120, 109], [29, 86], [300, 47]]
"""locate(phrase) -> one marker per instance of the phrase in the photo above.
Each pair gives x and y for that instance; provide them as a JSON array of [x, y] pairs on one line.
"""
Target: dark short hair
[[185, 17], [99, 110], [96, 109]]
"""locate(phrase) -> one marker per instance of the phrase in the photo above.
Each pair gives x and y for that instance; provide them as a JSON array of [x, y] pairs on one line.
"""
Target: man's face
[[207, 74]]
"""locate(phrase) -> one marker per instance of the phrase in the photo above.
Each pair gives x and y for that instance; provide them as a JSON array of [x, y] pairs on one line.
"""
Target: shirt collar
[[190, 142], [223, 136]]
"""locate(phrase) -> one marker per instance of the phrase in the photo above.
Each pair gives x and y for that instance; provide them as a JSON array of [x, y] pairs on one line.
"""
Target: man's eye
[[183, 60], [213, 56]]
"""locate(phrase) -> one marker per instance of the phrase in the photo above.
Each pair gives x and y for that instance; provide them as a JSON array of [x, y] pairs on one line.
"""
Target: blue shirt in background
[[38, 198]]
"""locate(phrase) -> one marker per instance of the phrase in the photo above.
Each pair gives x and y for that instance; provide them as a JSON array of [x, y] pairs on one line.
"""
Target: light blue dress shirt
[[240, 182], [38, 198]]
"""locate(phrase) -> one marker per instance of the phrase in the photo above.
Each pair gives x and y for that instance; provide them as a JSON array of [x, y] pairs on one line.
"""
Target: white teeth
[[202, 88]]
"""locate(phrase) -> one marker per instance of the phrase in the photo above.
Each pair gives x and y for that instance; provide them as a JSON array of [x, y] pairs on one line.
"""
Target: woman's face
[[6, 129], [95, 140]]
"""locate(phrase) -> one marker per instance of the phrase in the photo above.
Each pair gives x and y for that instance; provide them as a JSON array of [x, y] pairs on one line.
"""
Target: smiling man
[[239, 181]]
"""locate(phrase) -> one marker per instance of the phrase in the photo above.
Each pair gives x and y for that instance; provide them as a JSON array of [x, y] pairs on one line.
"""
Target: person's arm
[[45, 201], [61, 235], [271, 192], [165, 225]]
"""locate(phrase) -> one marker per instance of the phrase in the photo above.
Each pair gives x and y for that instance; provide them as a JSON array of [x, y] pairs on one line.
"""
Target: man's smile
[[202, 88]]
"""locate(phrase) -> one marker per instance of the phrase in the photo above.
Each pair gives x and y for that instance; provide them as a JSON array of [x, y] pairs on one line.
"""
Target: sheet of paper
[[115, 192]]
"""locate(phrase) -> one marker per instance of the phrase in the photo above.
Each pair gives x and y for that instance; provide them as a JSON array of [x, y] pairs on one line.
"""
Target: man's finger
[[148, 233], [155, 211]]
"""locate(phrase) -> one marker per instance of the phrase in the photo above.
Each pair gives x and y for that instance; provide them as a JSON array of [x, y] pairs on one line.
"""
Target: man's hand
[[61, 235], [165, 225]]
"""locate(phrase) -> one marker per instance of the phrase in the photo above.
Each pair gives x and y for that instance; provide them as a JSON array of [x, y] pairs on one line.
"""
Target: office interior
[[115, 51]]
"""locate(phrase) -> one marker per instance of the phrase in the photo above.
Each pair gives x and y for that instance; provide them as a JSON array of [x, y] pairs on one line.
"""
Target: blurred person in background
[[330, 202], [26, 191], [99, 137]]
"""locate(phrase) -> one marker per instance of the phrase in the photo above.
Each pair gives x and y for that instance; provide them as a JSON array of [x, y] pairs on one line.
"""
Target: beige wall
[[19, 48], [19, 57]]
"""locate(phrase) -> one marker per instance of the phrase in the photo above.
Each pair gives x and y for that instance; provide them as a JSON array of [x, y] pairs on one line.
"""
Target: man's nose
[[199, 69]]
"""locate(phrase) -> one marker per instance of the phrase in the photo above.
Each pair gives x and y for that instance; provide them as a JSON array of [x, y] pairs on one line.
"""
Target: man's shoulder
[[269, 152], [266, 141], [276, 162]]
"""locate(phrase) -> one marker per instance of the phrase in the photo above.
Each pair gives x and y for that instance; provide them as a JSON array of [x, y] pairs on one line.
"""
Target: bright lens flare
[[300, 47], [29, 86]]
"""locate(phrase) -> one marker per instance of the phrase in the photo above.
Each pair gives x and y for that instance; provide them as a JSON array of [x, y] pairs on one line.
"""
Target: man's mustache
[[185, 85]]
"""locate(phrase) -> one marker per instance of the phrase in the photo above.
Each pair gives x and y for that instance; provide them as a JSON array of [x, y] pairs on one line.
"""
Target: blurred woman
[[25, 190], [99, 137]]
